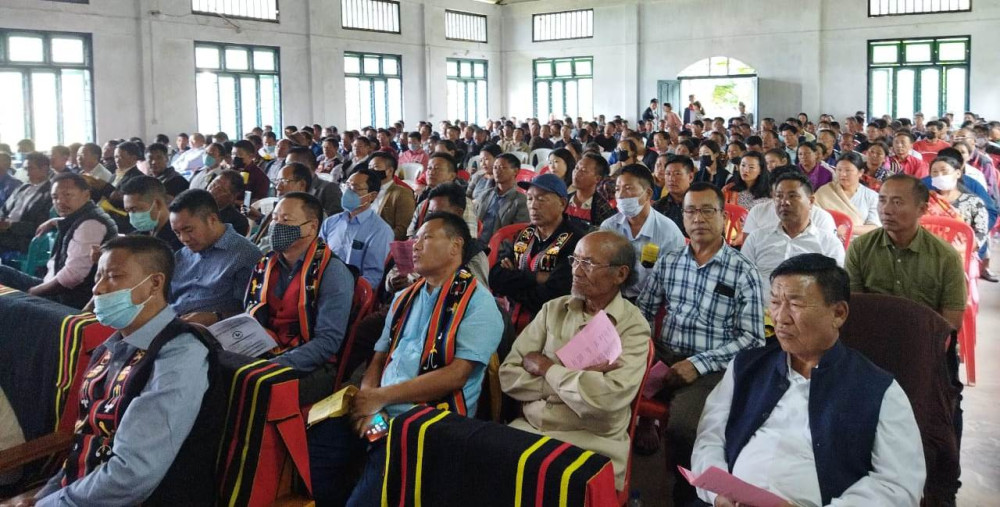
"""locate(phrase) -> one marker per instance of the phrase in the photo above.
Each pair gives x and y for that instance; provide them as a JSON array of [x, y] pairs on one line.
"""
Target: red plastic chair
[[845, 226], [651, 407], [364, 300], [525, 175], [624, 493], [736, 216], [504, 233], [959, 235]]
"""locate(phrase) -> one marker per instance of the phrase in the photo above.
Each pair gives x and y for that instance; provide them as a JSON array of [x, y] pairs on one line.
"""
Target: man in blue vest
[[863, 446]]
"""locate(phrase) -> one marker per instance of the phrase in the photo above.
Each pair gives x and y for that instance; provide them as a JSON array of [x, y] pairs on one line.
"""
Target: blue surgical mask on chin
[[116, 309]]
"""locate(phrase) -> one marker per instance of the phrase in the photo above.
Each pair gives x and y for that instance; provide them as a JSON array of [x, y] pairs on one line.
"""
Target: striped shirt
[[712, 311]]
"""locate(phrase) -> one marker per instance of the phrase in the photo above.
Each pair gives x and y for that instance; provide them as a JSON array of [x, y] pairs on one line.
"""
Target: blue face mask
[[116, 309], [351, 200], [142, 220], [208, 160]]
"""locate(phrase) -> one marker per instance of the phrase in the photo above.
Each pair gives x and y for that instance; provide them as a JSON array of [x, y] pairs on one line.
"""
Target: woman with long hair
[[751, 185]]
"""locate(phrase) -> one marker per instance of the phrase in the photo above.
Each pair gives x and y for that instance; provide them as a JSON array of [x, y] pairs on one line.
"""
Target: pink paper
[[723, 483], [597, 343], [402, 253], [656, 379]]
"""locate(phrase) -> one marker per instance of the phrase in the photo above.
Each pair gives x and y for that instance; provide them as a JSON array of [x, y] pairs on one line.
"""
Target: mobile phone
[[378, 428]]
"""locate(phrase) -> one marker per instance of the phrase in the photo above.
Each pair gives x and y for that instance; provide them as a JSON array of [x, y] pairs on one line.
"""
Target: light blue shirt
[[214, 279], [478, 337], [658, 230], [362, 242], [154, 425]]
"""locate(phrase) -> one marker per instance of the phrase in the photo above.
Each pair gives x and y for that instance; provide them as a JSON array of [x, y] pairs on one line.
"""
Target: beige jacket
[[588, 409]]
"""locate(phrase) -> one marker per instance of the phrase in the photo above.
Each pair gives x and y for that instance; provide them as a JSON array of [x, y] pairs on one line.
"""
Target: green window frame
[[373, 85], [563, 86], [928, 75], [46, 81], [467, 90], [238, 87]]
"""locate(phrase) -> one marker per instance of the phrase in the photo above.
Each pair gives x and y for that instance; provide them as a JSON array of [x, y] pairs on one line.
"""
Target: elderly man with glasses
[[714, 308]]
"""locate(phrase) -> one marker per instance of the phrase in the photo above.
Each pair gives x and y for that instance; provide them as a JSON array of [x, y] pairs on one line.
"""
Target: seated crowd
[[720, 248]]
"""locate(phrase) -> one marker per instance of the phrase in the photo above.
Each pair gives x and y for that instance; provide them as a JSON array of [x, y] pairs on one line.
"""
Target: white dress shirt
[[779, 456], [764, 215], [769, 247]]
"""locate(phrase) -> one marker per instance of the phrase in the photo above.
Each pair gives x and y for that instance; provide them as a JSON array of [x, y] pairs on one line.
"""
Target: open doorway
[[720, 83]]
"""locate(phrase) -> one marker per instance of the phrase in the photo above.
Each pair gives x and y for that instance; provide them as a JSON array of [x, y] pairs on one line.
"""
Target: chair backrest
[[954, 232], [325, 176], [506, 233], [522, 156], [736, 216], [525, 174], [650, 359], [39, 252], [845, 226], [361, 306], [606, 155], [410, 171], [908, 340], [539, 157], [266, 205]]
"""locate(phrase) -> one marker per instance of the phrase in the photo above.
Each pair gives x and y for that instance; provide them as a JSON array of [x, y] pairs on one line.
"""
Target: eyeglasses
[[706, 213], [286, 181], [587, 264]]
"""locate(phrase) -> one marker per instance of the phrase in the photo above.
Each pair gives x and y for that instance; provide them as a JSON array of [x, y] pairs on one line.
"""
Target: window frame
[[277, 14], [399, 17], [534, 20], [933, 63], [237, 75], [486, 26], [47, 65], [459, 78], [371, 78], [563, 79], [921, 13]]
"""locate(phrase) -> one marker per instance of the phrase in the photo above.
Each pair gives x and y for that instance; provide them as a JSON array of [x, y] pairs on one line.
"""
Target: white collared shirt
[[767, 248], [764, 215], [779, 456], [658, 230]]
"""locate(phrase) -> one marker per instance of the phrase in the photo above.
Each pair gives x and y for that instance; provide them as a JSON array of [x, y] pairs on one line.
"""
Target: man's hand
[[368, 402], [398, 281], [721, 501], [252, 213], [204, 318], [46, 226], [536, 364], [684, 372], [604, 368], [506, 264]]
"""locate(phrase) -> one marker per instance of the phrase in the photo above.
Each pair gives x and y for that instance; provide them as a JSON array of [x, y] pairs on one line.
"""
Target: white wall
[[143, 64], [810, 56]]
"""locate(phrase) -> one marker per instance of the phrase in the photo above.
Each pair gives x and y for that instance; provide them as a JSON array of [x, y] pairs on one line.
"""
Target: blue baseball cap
[[548, 182]]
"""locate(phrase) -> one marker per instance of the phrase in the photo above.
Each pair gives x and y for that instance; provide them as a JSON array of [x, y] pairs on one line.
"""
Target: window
[[237, 88], [563, 25], [564, 87], [878, 8], [373, 89], [918, 75], [371, 15], [266, 10], [467, 90], [464, 26], [45, 82]]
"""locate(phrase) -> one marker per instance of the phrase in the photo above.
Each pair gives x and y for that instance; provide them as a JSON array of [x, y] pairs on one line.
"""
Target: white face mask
[[944, 182], [629, 206]]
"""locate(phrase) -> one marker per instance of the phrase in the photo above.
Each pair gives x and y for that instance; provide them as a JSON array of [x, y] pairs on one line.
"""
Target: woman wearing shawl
[[847, 195], [949, 198]]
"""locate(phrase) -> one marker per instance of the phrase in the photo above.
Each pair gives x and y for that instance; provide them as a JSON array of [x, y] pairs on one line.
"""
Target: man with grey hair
[[589, 407]]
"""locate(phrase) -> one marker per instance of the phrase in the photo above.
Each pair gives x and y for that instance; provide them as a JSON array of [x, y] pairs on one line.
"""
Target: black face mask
[[736, 162], [238, 163], [705, 161], [622, 155]]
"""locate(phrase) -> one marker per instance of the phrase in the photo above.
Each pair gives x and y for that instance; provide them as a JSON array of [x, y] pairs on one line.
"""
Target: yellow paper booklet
[[335, 405]]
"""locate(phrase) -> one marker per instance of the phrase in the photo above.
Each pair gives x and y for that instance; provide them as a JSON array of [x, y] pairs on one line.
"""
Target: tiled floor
[[980, 443]]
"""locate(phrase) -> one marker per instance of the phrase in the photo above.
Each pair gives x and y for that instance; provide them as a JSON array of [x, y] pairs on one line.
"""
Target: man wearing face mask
[[358, 235], [327, 192], [135, 442], [395, 202], [293, 177], [626, 154], [146, 203], [256, 181], [212, 160], [650, 233], [931, 144]]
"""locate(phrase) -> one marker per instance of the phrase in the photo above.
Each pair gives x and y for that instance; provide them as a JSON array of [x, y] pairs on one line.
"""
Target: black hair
[[762, 185], [388, 157], [511, 159], [156, 253], [854, 158], [244, 145], [454, 225], [451, 191], [148, 187], [195, 201], [703, 186], [570, 161], [795, 176], [449, 160], [157, 148], [832, 279], [236, 184], [310, 204], [304, 152], [93, 148], [40, 159], [639, 171], [492, 149], [301, 172], [131, 148], [78, 181], [685, 162], [374, 179]]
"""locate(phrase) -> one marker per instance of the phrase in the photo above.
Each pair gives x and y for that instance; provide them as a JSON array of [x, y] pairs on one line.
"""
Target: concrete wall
[[143, 63], [809, 58]]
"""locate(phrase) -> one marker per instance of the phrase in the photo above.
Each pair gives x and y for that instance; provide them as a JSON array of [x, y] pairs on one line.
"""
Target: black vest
[[79, 295], [191, 479], [845, 400]]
